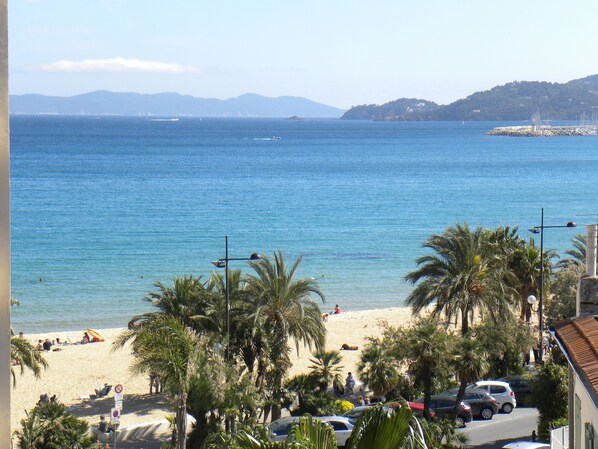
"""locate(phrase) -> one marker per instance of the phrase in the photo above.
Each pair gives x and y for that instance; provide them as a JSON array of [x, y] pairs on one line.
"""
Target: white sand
[[77, 370]]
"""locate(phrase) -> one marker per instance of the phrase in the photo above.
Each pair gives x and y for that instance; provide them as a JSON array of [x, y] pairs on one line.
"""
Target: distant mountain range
[[513, 101], [170, 105]]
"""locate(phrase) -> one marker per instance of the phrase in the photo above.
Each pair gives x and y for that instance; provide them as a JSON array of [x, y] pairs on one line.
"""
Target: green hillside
[[512, 101]]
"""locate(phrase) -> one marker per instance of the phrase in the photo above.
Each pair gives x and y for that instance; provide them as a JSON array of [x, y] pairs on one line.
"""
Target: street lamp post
[[223, 263], [540, 230]]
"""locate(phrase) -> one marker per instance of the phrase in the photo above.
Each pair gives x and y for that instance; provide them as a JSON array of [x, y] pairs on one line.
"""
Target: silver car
[[501, 391], [342, 425]]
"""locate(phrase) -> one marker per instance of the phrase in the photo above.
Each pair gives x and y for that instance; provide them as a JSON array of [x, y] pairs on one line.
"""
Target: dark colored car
[[443, 407], [521, 387], [418, 409], [483, 406]]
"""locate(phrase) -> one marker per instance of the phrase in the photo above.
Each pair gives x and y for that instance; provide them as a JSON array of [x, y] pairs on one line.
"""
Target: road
[[502, 428]]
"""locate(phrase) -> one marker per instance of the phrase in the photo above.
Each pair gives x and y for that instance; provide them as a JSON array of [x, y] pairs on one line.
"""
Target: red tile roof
[[579, 337]]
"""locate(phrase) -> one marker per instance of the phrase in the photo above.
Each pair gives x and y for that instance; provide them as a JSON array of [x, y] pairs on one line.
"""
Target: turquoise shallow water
[[102, 207]]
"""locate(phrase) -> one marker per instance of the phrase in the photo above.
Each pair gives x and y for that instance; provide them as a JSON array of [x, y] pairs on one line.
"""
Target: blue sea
[[102, 207]]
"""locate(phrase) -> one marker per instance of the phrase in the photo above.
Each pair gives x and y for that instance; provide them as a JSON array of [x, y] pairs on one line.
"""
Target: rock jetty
[[544, 131]]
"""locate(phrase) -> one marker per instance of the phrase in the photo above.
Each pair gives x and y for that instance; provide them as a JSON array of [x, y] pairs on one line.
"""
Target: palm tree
[[51, 426], [382, 429], [525, 265], [423, 348], [326, 365], [280, 308], [469, 362], [187, 300], [310, 432], [378, 368], [577, 255], [24, 355], [463, 276], [165, 346]]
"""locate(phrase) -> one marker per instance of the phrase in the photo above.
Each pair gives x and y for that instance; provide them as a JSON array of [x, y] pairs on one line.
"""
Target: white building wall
[[589, 413]]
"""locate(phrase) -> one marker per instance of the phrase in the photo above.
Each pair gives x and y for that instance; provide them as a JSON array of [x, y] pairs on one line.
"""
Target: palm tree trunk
[[464, 322], [427, 379], [181, 421], [459, 398]]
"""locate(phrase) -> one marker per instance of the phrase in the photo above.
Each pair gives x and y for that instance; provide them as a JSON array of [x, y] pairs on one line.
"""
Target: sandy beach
[[76, 370]]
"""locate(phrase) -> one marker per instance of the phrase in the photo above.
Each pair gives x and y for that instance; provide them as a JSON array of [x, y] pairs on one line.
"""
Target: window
[[281, 429], [336, 425], [497, 389], [589, 435]]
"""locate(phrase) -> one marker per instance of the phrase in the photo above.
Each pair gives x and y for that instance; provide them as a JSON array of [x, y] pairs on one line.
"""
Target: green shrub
[[317, 404], [545, 426]]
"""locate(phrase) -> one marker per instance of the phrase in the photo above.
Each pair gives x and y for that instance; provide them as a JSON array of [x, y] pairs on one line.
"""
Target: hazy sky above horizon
[[338, 52]]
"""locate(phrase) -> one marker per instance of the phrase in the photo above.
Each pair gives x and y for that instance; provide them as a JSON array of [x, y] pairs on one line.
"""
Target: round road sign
[[118, 388]]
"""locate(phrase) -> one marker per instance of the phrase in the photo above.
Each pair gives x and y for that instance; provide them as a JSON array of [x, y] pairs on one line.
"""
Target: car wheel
[[459, 422], [486, 413], [507, 408]]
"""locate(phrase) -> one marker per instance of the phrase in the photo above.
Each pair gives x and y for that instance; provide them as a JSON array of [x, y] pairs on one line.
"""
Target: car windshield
[[281, 429]]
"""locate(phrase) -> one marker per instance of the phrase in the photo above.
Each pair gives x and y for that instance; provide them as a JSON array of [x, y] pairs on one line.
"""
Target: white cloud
[[115, 65]]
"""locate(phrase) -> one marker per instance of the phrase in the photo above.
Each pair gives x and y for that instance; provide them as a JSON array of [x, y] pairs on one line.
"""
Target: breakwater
[[544, 131]]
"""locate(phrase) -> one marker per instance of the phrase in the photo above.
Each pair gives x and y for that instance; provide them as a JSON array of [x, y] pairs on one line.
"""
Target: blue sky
[[338, 52]]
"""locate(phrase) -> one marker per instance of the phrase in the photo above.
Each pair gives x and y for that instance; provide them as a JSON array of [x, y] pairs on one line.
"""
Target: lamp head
[[219, 263], [255, 256], [532, 300], [534, 230], [571, 224]]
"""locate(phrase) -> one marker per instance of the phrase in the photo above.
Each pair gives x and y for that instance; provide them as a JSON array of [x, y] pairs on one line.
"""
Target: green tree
[[25, 356], [551, 378], [308, 432], [469, 362], [525, 264], [326, 364], [463, 275], [51, 426], [281, 309], [188, 301], [378, 368], [562, 302], [505, 345], [381, 429], [577, 255], [424, 349], [165, 346]]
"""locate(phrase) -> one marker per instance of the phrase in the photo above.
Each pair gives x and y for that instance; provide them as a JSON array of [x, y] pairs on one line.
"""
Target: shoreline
[[76, 370]]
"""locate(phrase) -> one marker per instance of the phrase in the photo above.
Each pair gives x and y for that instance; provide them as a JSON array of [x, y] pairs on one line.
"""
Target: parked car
[[356, 412], [443, 407], [526, 445], [521, 387], [500, 391], [342, 426], [482, 405]]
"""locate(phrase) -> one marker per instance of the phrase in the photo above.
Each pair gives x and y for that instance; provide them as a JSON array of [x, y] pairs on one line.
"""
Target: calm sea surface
[[103, 207]]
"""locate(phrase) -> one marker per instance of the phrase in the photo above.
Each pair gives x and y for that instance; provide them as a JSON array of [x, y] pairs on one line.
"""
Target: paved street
[[502, 429]]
